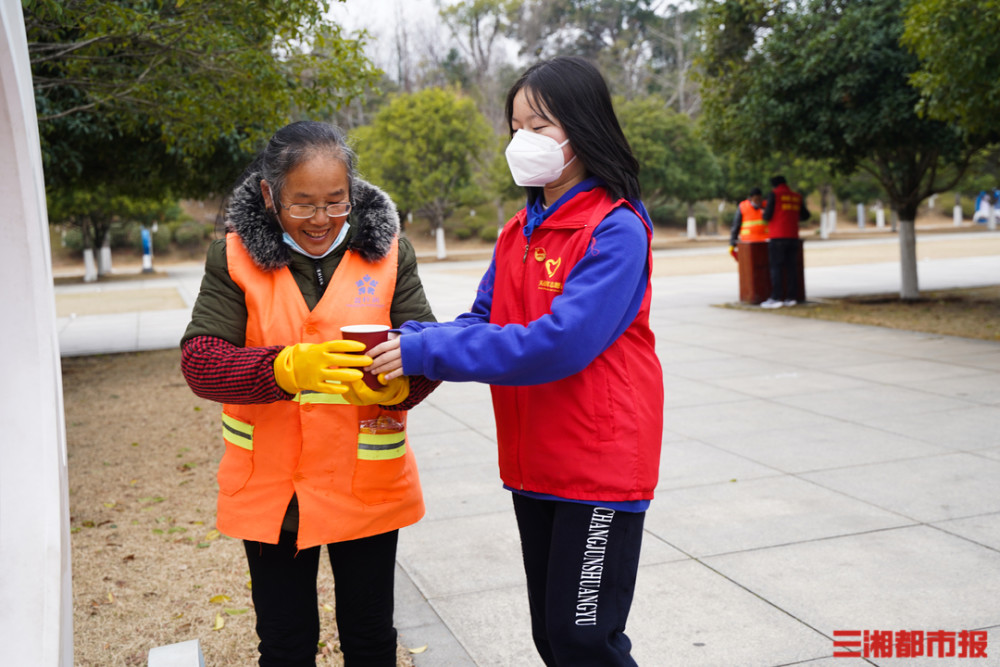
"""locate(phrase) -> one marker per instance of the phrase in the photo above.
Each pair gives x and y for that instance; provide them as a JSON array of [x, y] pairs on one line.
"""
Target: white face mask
[[535, 159]]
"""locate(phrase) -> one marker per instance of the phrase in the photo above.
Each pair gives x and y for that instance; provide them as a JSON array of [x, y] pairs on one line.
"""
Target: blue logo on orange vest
[[366, 285], [366, 292]]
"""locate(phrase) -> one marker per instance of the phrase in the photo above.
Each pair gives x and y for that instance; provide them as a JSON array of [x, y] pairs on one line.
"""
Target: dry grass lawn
[[969, 313], [149, 568]]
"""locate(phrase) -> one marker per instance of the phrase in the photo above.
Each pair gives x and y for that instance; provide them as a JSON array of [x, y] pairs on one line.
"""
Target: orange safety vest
[[353, 478], [753, 228]]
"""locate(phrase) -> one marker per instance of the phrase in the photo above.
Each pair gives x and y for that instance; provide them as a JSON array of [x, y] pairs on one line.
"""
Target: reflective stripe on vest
[[381, 446], [308, 396], [237, 433]]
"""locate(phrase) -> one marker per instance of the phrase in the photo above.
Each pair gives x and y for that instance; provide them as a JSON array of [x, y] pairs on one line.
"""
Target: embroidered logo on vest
[[366, 292], [539, 254], [552, 266]]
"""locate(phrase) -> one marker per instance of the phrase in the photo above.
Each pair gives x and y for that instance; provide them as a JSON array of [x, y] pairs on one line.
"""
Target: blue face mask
[[290, 242]]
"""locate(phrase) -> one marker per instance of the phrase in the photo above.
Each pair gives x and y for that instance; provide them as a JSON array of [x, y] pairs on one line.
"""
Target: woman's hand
[[387, 358]]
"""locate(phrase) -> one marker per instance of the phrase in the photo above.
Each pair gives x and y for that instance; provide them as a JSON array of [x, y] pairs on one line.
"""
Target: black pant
[[781, 258], [581, 563], [285, 600]]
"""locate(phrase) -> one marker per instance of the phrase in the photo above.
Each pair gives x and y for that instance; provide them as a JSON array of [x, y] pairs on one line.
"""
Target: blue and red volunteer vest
[[594, 435], [352, 476], [785, 219]]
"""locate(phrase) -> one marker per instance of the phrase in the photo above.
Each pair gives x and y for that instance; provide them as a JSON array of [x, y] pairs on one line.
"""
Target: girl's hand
[[387, 358]]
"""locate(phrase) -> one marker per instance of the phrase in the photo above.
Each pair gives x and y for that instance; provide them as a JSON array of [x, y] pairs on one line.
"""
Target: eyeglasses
[[302, 211]]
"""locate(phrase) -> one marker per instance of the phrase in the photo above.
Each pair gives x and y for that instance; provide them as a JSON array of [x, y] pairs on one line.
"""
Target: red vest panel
[[785, 219], [594, 435]]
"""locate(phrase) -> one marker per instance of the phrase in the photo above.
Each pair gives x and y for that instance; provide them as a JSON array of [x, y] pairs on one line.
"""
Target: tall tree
[[959, 73], [828, 80], [151, 98], [674, 42], [611, 33], [423, 148], [479, 27], [674, 162]]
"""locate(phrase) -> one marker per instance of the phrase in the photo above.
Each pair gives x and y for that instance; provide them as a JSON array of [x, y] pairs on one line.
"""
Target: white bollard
[[692, 229], [833, 220], [824, 232], [957, 215], [880, 217], [861, 216], [147, 250]]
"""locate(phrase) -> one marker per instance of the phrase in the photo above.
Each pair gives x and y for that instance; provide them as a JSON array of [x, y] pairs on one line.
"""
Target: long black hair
[[571, 91]]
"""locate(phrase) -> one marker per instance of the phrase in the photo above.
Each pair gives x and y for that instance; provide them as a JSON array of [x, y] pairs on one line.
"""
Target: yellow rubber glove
[[392, 393], [320, 366]]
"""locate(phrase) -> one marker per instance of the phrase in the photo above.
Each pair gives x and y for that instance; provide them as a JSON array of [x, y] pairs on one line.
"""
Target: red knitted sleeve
[[220, 371], [420, 388]]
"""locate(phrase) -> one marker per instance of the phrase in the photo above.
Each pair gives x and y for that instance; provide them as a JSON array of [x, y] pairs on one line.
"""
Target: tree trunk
[[442, 252], [89, 266], [909, 288], [692, 223], [89, 263], [104, 258]]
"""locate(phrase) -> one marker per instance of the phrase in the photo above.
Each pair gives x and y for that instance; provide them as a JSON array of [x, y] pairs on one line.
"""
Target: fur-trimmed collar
[[374, 223]]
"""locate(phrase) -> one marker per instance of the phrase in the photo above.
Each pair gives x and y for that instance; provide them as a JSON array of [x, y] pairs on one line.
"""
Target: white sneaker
[[771, 303], [790, 302]]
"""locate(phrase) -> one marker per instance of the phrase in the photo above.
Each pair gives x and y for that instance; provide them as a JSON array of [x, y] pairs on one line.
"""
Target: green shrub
[[73, 239], [121, 234], [968, 207], [161, 238], [189, 234], [463, 233], [489, 233], [133, 238], [669, 213]]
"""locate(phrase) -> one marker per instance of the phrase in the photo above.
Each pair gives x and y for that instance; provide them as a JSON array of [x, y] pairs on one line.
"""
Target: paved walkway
[[816, 477]]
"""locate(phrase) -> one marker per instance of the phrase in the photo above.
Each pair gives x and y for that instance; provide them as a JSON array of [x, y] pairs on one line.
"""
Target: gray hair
[[295, 143]]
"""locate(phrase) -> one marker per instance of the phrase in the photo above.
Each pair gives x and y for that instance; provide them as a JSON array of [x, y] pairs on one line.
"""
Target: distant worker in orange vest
[[784, 211], [748, 223]]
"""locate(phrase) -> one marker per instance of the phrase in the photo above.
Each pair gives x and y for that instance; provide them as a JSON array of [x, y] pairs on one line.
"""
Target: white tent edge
[[36, 611]]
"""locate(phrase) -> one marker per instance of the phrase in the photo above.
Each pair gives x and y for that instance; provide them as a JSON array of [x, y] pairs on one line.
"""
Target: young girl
[[311, 458], [560, 330]]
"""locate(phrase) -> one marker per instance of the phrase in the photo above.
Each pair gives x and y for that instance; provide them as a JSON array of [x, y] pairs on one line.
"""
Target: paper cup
[[371, 335]]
